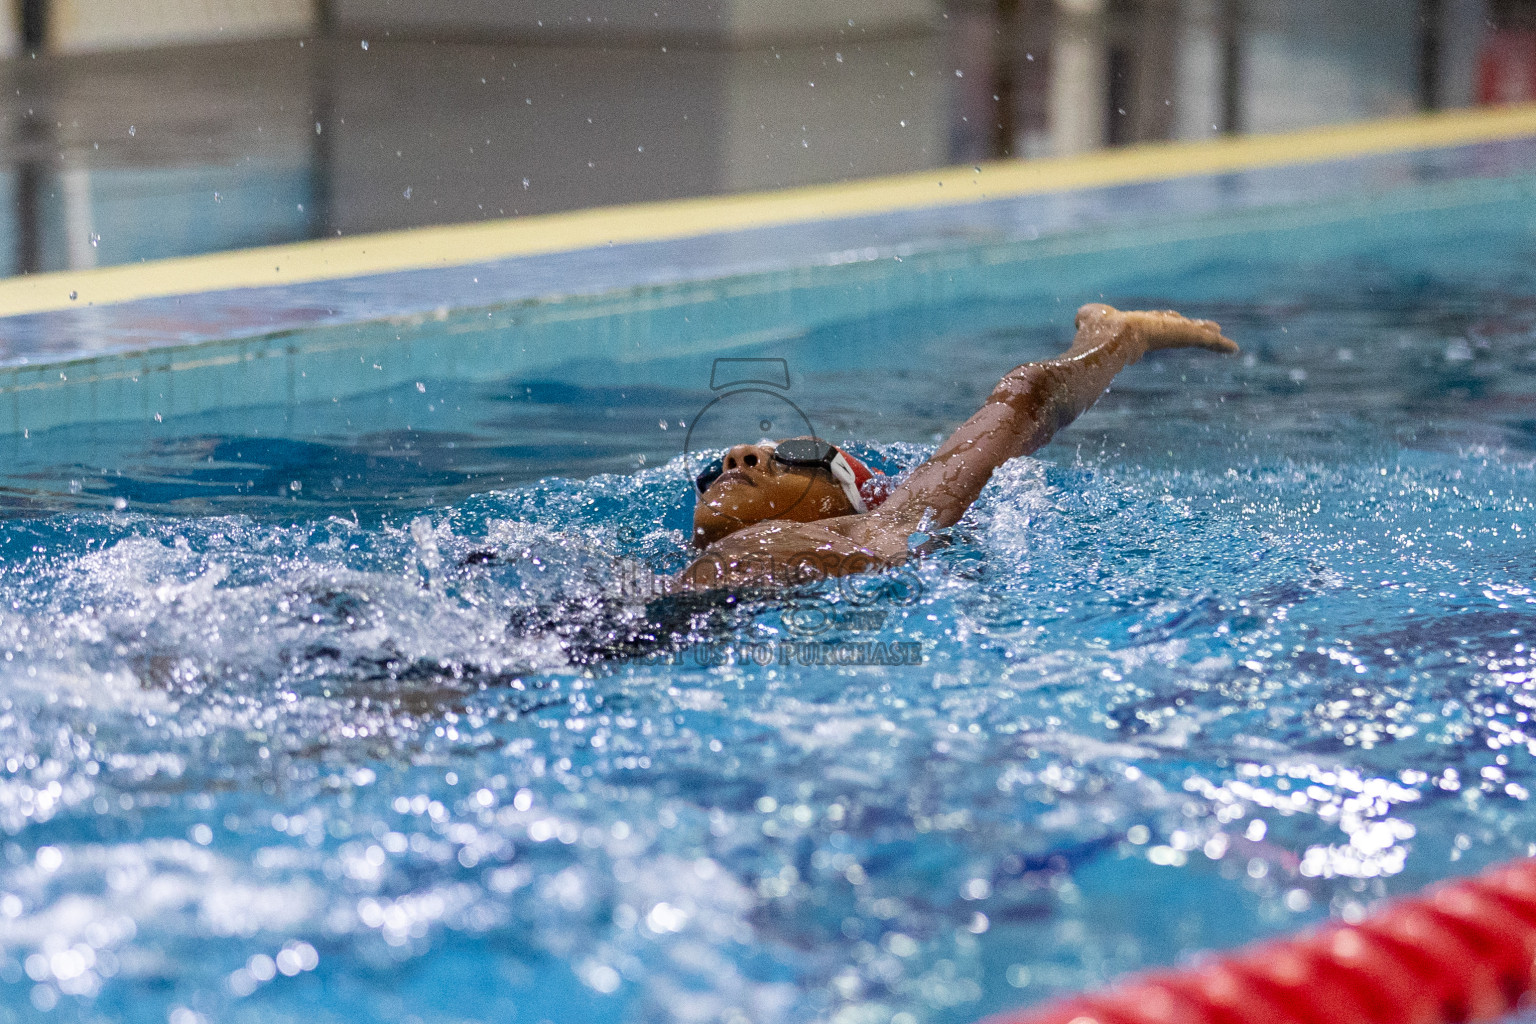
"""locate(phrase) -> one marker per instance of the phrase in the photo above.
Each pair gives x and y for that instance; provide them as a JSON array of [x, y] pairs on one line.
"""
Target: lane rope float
[[1462, 951]]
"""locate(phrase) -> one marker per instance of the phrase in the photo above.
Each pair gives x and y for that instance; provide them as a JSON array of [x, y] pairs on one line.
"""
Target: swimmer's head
[[800, 480]]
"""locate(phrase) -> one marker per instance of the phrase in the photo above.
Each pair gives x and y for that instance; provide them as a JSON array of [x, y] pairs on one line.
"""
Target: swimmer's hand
[[1155, 329], [1024, 411]]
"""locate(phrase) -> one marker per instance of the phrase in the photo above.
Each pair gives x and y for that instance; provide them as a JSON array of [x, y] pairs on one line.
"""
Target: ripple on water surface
[[447, 766], [252, 768]]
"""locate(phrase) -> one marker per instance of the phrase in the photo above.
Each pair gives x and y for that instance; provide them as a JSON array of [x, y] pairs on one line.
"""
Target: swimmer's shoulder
[[779, 553]]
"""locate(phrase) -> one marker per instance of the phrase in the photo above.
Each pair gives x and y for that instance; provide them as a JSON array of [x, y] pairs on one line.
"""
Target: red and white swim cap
[[865, 488]]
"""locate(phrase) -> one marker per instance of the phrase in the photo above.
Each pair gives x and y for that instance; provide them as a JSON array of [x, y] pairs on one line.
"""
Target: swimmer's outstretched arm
[[1027, 407]]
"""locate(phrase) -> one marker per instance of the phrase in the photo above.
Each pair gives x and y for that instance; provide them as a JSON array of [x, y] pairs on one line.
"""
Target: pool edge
[[489, 341], [468, 244]]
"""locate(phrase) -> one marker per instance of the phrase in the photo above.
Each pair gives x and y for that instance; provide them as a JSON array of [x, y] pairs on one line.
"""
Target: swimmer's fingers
[[1212, 339], [1164, 328]]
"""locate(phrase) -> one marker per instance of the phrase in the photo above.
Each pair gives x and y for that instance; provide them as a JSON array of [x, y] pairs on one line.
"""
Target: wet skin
[[754, 488], [764, 524]]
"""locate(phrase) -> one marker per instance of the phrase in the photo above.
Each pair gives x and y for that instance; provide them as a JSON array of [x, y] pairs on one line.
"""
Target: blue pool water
[[347, 711]]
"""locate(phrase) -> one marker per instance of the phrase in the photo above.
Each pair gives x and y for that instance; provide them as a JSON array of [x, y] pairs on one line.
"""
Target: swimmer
[[801, 509]]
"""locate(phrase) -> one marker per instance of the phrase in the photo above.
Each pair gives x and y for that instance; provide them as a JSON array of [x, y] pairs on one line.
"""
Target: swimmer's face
[[755, 487]]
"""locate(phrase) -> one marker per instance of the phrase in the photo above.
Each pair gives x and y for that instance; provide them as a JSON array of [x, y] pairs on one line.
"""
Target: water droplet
[[407, 192], [295, 486], [526, 183], [132, 130], [73, 296], [317, 123], [365, 44], [765, 425], [95, 240], [119, 503], [218, 198]]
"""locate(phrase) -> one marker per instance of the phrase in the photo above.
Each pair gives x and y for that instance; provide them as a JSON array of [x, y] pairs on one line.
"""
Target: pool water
[[352, 712]]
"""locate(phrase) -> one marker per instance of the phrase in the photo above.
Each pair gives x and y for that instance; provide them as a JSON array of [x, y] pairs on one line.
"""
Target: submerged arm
[[1027, 407]]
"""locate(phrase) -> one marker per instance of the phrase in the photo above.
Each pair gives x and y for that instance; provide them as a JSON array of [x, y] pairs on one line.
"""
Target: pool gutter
[[331, 319]]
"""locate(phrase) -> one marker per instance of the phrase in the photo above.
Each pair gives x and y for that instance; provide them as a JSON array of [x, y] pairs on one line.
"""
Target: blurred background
[[138, 129]]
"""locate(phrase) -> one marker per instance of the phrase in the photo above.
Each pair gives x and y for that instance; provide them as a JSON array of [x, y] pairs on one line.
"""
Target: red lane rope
[[1461, 951]]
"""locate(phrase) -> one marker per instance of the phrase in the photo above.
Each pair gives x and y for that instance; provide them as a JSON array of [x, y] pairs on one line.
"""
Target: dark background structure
[[129, 131]]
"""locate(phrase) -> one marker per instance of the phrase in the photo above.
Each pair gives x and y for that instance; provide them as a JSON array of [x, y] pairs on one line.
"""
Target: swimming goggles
[[801, 451], [809, 452]]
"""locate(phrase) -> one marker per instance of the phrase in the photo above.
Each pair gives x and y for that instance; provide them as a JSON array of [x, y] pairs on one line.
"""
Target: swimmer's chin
[[719, 515], [712, 526], [706, 533]]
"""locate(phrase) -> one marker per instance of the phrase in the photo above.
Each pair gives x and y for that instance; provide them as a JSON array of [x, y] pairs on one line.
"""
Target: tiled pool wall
[[635, 326]]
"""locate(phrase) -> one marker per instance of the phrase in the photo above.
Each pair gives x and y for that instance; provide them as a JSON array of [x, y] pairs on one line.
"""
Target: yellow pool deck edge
[[464, 244]]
